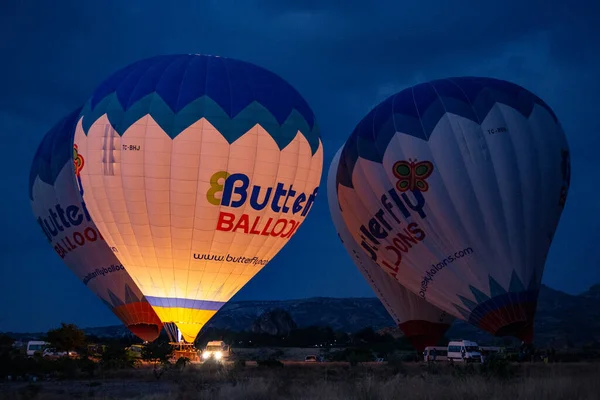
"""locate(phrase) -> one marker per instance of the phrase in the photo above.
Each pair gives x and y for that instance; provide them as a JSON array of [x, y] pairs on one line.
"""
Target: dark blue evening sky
[[344, 56]]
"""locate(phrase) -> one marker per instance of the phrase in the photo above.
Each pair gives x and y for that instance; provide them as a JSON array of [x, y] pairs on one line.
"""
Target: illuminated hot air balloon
[[198, 170], [62, 215], [455, 187], [422, 323]]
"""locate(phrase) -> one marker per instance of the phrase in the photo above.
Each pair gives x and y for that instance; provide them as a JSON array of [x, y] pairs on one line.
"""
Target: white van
[[441, 353], [216, 349], [36, 346], [463, 351]]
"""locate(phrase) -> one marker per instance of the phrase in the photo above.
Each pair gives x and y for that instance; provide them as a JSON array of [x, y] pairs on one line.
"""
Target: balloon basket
[[185, 350]]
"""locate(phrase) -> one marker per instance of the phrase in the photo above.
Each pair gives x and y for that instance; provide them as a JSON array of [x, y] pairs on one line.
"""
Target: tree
[[115, 356], [7, 356], [67, 338], [157, 352], [341, 338], [6, 342]]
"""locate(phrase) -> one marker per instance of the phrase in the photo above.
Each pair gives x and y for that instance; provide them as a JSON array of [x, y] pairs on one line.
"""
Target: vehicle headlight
[[218, 355], [205, 355]]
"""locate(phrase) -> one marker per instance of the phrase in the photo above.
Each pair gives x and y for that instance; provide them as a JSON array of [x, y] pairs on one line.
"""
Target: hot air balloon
[[64, 220], [455, 188], [422, 323], [198, 170]]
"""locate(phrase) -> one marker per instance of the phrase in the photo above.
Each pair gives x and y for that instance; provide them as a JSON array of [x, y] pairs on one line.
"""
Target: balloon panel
[[422, 323], [455, 188], [64, 220], [199, 188]]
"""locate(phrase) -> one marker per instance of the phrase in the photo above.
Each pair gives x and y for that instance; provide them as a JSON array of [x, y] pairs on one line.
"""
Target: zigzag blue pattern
[[178, 90], [417, 110], [173, 124], [516, 293], [55, 150], [116, 301]]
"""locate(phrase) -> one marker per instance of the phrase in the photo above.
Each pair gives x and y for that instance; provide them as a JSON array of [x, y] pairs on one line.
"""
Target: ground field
[[323, 381]]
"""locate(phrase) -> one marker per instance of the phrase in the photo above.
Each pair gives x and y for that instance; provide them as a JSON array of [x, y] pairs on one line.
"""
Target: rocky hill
[[345, 314], [561, 320], [274, 322]]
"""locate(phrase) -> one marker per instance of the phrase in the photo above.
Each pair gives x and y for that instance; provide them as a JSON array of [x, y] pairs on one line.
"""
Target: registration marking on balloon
[[565, 169]]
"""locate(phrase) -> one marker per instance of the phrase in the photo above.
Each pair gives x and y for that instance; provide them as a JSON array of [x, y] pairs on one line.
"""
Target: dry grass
[[322, 381]]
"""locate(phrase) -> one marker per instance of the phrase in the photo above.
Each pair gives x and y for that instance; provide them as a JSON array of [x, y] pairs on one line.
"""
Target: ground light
[[218, 355]]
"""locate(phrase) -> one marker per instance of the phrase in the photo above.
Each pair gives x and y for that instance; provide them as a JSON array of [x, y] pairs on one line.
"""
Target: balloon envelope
[[422, 323], [64, 220], [198, 170], [455, 188]]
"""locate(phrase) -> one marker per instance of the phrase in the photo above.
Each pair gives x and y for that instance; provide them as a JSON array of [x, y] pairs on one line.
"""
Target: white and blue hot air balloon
[[198, 170], [455, 188]]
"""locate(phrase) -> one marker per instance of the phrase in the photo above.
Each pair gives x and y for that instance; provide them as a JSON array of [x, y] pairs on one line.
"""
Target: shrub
[[66, 368], [432, 368], [397, 365], [87, 366], [115, 357], [497, 367], [181, 363], [211, 364]]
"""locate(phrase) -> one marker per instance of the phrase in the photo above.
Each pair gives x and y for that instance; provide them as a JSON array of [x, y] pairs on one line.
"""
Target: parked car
[[52, 353]]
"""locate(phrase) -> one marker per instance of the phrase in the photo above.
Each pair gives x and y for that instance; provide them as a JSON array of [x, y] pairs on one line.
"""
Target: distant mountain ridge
[[592, 292], [561, 320]]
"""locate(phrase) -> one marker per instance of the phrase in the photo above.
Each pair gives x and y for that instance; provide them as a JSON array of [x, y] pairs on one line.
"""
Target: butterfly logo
[[77, 160], [412, 175]]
